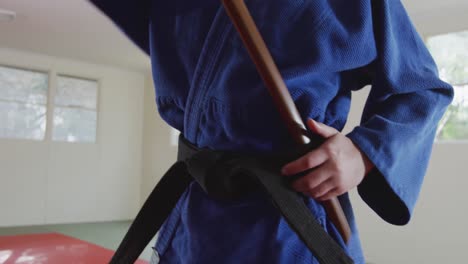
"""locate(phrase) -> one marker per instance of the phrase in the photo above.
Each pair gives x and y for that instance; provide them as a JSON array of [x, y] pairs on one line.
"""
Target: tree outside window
[[75, 111], [450, 52], [23, 103], [25, 106]]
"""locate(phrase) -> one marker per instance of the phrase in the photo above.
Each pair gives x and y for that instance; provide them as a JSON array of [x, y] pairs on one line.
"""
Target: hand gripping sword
[[255, 45]]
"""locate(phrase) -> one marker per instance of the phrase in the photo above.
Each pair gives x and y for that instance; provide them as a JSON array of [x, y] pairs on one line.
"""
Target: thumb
[[321, 129]]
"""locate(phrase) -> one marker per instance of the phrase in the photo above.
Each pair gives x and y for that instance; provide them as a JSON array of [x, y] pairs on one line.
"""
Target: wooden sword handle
[[255, 45]]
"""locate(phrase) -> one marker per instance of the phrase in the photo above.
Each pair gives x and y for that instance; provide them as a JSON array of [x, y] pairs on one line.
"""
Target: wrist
[[368, 165]]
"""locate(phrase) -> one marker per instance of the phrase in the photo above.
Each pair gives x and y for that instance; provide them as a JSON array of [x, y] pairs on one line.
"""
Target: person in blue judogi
[[208, 88]]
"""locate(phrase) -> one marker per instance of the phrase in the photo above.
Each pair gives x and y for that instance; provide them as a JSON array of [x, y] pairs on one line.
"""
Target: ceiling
[[75, 29], [71, 29]]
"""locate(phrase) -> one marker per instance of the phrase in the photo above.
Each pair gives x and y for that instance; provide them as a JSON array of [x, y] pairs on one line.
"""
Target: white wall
[[158, 153], [50, 182], [437, 231]]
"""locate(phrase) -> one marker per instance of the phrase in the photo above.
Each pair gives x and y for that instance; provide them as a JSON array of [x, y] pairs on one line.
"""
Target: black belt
[[226, 175]]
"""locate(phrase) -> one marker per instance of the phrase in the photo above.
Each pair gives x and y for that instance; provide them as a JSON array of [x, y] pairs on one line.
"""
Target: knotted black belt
[[227, 175]]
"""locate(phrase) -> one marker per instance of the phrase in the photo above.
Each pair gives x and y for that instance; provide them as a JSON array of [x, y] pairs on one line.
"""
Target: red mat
[[52, 248]]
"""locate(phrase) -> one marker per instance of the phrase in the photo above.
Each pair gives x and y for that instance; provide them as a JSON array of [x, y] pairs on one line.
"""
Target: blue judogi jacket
[[208, 88]]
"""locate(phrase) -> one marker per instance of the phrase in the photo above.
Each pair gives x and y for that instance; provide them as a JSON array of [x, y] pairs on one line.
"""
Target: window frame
[[453, 141], [52, 109], [53, 75], [41, 70], [463, 141]]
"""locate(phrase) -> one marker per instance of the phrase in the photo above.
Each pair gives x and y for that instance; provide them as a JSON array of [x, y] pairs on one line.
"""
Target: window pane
[[454, 124], [23, 86], [75, 112], [23, 99], [74, 125], [450, 52], [25, 121], [76, 92]]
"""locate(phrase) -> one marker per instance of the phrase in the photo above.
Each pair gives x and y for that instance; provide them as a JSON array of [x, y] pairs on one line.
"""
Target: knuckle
[[310, 186], [315, 194], [335, 182], [331, 150], [340, 170], [335, 166], [328, 148], [322, 189], [341, 187], [339, 190], [300, 182], [309, 162], [337, 172]]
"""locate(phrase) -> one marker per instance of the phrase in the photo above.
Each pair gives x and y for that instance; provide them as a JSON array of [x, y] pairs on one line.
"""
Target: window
[[75, 114], [23, 103], [25, 106], [450, 52]]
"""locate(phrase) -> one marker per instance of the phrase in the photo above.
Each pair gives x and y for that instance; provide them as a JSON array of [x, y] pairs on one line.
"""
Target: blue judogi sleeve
[[131, 17], [400, 118]]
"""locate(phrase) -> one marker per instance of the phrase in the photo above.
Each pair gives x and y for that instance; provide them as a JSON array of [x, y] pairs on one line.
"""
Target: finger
[[321, 129], [310, 160], [323, 188], [331, 194], [308, 194], [324, 197], [312, 179]]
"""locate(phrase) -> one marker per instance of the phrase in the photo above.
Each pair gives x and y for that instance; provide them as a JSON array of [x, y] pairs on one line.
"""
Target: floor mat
[[52, 248]]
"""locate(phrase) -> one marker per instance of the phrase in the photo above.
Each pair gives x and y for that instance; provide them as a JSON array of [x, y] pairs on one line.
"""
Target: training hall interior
[[82, 144]]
